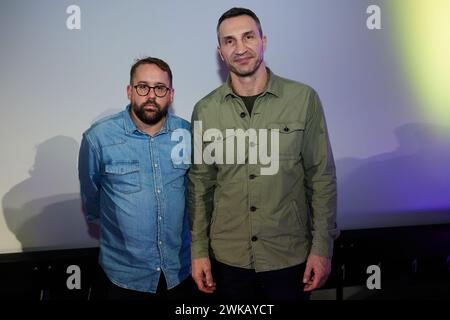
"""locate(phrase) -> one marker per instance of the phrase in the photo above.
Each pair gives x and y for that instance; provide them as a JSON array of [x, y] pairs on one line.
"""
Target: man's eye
[[142, 86], [250, 36]]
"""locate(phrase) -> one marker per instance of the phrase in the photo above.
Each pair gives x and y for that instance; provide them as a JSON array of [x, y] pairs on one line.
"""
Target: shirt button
[[252, 176], [286, 129], [254, 238], [160, 218], [158, 190], [160, 242], [156, 165], [253, 208], [158, 269], [242, 114]]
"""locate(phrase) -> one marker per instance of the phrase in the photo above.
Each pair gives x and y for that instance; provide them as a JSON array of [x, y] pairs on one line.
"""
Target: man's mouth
[[242, 60], [151, 107]]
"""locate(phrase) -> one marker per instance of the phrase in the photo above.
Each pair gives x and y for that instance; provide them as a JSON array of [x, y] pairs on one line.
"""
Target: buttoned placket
[[159, 195], [252, 183], [252, 170]]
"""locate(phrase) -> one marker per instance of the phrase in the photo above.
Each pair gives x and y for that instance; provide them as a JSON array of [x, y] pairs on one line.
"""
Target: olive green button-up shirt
[[248, 219]]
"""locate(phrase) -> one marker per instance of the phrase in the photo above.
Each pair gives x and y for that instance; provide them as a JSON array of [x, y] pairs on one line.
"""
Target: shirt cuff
[[200, 249]]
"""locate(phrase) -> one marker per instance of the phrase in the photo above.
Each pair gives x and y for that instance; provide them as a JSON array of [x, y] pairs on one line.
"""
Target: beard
[[149, 117]]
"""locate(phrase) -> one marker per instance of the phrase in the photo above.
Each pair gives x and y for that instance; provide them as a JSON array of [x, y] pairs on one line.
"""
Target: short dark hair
[[235, 12], [151, 60]]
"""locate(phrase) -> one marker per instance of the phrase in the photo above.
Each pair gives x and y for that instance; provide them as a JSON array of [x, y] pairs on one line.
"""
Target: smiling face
[[241, 46], [149, 109]]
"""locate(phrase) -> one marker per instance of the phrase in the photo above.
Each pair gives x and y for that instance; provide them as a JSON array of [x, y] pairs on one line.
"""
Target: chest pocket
[[290, 138], [122, 176]]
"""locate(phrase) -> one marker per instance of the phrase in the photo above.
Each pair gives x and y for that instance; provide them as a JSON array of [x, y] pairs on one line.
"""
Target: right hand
[[201, 273]]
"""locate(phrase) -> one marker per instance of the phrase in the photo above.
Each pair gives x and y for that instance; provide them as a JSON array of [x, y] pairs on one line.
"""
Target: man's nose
[[240, 47], [151, 93]]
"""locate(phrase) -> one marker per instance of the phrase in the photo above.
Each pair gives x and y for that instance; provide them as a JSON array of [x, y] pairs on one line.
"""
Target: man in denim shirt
[[133, 185]]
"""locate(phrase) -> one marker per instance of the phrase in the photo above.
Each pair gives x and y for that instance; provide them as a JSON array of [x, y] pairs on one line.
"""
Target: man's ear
[[220, 53], [129, 91], [264, 42], [172, 93]]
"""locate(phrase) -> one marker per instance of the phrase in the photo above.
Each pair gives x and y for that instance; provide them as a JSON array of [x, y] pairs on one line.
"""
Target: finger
[[200, 282], [308, 282], [201, 286], [208, 290], [209, 278], [315, 280], [315, 283], [307, 274], [310, 286], [307, 288]]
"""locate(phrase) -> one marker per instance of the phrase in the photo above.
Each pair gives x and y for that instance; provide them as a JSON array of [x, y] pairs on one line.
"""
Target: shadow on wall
[[409, 186], [106, 113], [44, 211]]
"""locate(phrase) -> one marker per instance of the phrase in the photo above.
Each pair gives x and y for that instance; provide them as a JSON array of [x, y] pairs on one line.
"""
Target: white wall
[[54, 82]]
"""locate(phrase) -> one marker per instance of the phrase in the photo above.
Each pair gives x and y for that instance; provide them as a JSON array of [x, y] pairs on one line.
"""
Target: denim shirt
[[131, 186]]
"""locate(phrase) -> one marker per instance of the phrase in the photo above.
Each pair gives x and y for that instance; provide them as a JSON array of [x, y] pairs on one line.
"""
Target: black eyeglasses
[[143, 90]]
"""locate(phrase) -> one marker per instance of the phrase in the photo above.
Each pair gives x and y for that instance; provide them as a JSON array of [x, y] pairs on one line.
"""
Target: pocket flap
[[122, 167], [287, 127], [180, 165]]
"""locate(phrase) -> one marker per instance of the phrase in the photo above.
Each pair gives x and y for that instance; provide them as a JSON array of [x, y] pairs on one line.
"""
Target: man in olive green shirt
[[254, 231]]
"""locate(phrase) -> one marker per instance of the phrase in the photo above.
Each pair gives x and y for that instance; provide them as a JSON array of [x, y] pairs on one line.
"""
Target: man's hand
[[316, 273], [201, 273]]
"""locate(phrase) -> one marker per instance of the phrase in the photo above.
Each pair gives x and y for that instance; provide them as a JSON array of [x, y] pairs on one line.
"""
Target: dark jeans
[[235, 283], [184, 291]]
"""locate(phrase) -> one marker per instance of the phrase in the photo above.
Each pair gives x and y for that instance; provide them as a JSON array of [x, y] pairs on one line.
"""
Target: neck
[[150, 129], [250, 85]]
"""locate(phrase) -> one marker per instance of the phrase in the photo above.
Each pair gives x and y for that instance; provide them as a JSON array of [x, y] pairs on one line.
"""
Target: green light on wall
[[423, 36]]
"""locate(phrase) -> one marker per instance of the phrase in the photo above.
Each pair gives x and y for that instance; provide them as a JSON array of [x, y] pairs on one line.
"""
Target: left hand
[[316, 273]]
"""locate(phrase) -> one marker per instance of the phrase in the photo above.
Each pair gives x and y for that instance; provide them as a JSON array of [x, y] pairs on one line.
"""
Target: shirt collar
[[273, 86], [131, 128]]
